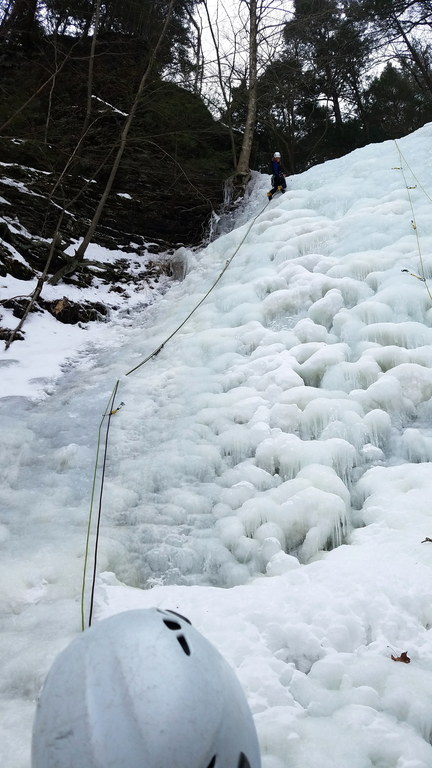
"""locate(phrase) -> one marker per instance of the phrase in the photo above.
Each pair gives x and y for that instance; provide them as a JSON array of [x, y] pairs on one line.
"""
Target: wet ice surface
[[278, 446]]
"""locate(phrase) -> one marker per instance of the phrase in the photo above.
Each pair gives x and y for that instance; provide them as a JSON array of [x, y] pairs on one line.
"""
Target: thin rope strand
[[414, 224], [419, 184], [110, 410], [87, 546], [96, 548], [179, 327]]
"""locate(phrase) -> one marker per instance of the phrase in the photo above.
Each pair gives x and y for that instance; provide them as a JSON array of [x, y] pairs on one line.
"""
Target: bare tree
[[242, 170], [198, 52], [80, 252], [91, 66], [243, 40], [226, 63]]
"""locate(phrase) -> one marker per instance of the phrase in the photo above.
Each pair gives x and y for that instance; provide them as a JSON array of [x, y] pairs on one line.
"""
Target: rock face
[[170, 180]]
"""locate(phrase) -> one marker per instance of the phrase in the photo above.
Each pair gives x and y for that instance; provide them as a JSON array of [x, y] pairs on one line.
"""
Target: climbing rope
[[418, 183], [108, 412], [111, 411], [197, 306], [422, 275]]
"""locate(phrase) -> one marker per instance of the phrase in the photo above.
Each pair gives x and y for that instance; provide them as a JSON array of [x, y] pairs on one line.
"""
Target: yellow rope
[[422, 275], [110, 411], [87, 546], [412, 172], [212, 287]]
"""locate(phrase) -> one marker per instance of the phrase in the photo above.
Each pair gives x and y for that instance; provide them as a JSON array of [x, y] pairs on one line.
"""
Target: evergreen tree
[[395, 104], [332, 48], [402, 29], [311, 99], [28, 21]]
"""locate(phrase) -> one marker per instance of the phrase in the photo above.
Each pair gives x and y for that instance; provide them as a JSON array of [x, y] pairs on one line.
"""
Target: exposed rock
[[11, 266], [18, 305], [6, 332], [72, 312], [169, 182]]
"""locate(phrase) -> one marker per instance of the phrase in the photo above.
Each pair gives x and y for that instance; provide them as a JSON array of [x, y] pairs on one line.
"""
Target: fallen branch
[[39, 285]]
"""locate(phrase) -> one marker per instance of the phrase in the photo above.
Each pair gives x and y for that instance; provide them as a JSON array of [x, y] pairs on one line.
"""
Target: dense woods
[[345, 73], [323, 76], [135, 113], [71, 76]]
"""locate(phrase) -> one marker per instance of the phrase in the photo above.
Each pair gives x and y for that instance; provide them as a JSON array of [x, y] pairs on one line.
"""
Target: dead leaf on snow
[[403, 657]]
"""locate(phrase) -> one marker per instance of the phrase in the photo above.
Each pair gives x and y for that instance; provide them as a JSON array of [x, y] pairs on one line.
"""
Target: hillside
[[170, 181], [267, 473]]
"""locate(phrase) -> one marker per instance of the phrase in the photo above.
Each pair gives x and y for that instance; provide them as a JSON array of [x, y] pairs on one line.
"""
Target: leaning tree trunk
[[80, 252], [91, 68], [243, 170]]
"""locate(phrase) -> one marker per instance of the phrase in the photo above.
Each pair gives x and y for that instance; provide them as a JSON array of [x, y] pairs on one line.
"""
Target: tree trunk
[[225, 83], [361, 111], [336, 108], [91, 68], [56, 240], [242, 170], [80, 252], [198, 53]]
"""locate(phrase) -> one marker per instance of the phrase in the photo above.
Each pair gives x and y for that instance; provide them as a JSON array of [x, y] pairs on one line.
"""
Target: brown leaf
[[403, 657], [60, 305]]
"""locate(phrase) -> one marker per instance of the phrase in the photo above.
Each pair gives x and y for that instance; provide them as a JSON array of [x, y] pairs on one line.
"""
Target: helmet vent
[[184, 645], [243, 761], [212, 762], [171, 624]]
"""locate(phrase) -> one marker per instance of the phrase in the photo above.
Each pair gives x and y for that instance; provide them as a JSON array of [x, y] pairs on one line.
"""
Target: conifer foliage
[[348, 72], [344, 73]]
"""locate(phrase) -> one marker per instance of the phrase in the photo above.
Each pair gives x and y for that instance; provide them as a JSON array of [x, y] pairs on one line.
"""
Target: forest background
[[138, 119]]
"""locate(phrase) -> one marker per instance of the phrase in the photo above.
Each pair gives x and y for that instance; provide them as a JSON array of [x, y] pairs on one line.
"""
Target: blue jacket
[[277, 169]]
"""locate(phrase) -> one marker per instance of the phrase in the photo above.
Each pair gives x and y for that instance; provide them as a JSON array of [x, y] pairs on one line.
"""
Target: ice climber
[[143, 689], [278, 176]]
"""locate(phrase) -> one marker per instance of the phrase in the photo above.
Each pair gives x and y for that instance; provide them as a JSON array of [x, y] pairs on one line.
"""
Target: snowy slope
[[268, 475]]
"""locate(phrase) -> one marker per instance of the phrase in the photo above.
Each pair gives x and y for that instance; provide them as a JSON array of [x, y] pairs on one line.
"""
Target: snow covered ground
[[269, 474]]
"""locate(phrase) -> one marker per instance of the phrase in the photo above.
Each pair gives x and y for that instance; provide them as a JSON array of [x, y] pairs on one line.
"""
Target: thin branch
[[80, 252]]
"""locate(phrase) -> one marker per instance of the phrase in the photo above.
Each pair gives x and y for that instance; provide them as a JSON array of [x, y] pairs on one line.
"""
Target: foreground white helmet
[[277, 154], [143, 689]]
